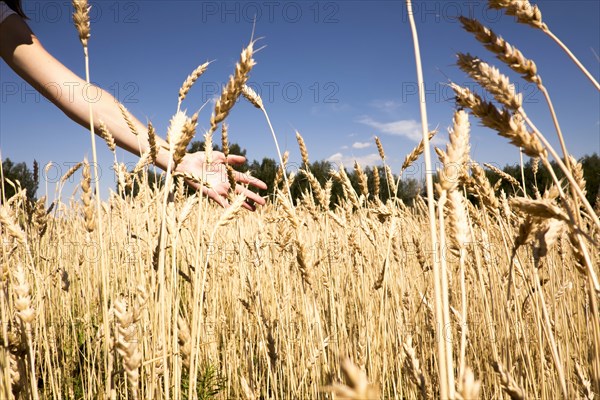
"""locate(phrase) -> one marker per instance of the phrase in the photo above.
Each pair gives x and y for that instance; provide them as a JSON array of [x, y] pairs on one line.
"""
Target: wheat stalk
[[176, 133], [344, 180], [416, 152], [529, 14], [380, 148], [320, 194], [81, 18], [127, 344], [7, 222], [231, 212], [504, 51], [152, 142], [509, 178], [539, 208], [490, 78], [522, 9], [281, 170], [457, 152], [225, 146], [577, 171], [444, 350], [357, 385], [376, 183], [509, 385], [26, 315], [86, 197], [70, 172], [303, 150], [188, 132], [301, 259], [234, 87], [362, 180], [128, 119], [252, 97], [507, 125], [486, 192], [390, 181], [412, 364], [189, 82], [106, 135]]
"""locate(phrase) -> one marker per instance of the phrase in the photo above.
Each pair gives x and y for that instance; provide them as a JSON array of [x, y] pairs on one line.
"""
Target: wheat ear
[[390, 181], [532, 16], [416, 152], [362, 180], [152, 142], [510, 55], [376, 182], [189, 82], [86, 197], [70, 172], [81, 18], [225, 146], [380, 148], [107, 136], [234, 87], [490, 78], [26, 314], [127, 344], [509, 178], [127, 117], [504, 122], [188, 131], [457, 152], [357, 385], [252, 97], [303, 150], [316, 188]]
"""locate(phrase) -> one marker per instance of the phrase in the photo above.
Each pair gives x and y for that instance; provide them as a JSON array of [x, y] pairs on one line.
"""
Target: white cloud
[[348, 160], [335, 158], [408, 128], [387, 106], [361, 145]]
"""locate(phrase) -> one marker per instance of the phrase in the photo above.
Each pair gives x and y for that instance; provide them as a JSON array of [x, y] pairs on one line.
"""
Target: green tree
[[265, 171], [153, 179], [542, 180], [591, 173], [321, 171], [18, 174]]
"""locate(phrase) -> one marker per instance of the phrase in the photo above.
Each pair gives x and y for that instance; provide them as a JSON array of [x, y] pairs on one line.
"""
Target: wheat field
[[165, 295]]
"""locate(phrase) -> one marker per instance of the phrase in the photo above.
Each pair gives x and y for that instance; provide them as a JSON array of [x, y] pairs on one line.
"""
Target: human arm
[[24, 53]]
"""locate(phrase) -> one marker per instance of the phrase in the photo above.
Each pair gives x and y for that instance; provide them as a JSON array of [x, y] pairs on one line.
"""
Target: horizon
[[338, 72]]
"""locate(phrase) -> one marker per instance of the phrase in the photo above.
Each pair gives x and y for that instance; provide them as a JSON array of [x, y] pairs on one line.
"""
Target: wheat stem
[[572, 57], [445, 368]]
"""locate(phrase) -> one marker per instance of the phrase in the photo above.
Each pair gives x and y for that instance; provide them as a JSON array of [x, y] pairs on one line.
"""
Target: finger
[[218, 156], [213, 195], [234, 159], [249, 207], [250, 180], [250, 195]]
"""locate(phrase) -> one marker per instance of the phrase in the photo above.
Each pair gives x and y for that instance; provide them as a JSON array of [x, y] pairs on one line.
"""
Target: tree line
[[537, 178]]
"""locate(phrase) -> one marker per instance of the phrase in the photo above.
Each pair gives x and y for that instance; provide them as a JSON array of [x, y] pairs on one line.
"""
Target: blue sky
[[339, 72]]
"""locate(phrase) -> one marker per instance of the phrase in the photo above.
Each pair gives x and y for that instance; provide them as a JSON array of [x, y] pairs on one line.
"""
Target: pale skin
[[24, 53]]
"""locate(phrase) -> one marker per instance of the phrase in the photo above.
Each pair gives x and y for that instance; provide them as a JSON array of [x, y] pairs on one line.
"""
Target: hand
[[215, 175]]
